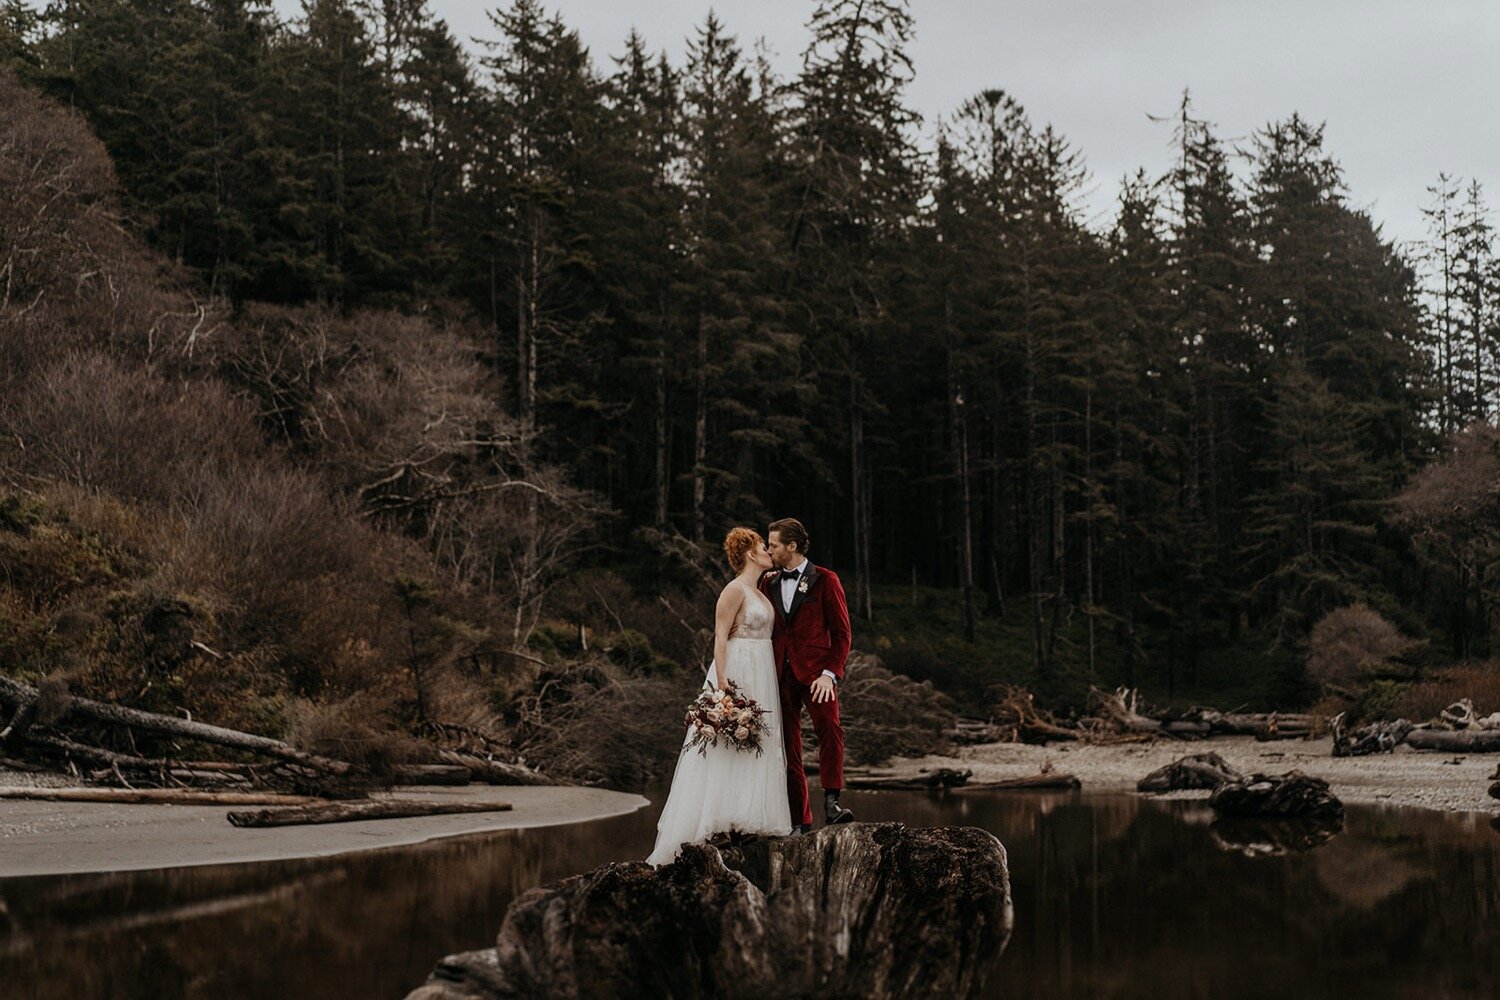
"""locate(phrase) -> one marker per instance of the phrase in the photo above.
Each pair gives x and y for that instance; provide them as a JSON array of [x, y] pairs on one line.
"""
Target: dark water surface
[[1115, 896]]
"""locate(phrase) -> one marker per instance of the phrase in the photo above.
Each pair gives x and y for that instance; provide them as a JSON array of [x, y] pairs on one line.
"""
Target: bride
[[727, 789]]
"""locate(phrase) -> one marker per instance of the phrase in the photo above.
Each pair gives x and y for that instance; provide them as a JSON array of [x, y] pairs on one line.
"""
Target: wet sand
[[54, 838], [1404, 777]]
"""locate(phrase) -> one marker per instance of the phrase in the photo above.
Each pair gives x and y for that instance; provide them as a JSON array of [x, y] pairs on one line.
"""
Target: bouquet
[[726, 718]]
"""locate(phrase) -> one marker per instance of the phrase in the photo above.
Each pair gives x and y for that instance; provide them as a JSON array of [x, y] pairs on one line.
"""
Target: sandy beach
[[1404, 777], [53, 838]]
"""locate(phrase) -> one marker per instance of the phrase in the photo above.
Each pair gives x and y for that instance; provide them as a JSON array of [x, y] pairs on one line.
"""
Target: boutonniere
[[802, 587]]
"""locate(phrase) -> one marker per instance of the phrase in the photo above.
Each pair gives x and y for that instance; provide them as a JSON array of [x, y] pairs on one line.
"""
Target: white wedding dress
[[727, 789]]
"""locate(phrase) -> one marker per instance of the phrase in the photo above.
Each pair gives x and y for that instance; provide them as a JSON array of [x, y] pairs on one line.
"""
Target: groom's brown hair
[[790, 529]]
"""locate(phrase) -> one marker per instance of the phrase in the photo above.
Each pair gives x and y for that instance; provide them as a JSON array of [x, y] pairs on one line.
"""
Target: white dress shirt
[[789, 591]]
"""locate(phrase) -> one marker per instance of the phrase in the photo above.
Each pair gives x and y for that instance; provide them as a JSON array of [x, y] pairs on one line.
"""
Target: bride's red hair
[[737, 546]]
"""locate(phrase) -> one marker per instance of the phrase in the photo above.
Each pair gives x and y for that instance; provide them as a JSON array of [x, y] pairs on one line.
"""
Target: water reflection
[[1116, 896], [1271, 838]]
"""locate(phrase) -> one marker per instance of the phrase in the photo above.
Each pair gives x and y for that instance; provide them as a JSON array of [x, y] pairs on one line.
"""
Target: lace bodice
[[755, 617]]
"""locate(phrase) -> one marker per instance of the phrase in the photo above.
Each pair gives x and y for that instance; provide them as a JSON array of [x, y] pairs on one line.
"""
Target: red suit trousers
[[795, 696]]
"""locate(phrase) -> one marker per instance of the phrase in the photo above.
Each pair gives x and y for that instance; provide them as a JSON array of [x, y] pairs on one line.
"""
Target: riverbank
[[56, 838], [1404, 777]]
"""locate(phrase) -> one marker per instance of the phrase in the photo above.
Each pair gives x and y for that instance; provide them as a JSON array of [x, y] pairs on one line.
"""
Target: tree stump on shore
[[1202, 770], [864, 910], [1280, 796], [1377, 737]]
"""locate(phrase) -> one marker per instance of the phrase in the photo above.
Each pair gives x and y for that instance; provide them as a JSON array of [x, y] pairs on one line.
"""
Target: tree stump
[[1202, 770], [1280, 796], [1377, 737]]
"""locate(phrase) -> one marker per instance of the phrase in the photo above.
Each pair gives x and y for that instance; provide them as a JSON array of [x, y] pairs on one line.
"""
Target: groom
[[811, 642]]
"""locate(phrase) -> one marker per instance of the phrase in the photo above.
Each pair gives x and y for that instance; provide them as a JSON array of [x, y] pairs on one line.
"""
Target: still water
[[1115, 896]]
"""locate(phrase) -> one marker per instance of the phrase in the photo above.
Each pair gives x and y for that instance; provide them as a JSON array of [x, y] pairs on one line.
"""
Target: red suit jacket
[[814, 637]]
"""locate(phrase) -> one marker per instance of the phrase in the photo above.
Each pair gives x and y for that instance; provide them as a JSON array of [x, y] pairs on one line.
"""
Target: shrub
[[1479, 682], [1350, 645]]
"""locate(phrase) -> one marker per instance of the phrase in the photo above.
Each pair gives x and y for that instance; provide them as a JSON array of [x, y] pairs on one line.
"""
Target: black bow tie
[[791, 574]]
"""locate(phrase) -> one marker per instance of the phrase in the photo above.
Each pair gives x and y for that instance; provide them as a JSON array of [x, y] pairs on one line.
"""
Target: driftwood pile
[[1457, 729], [1118, 717], [267, 766]]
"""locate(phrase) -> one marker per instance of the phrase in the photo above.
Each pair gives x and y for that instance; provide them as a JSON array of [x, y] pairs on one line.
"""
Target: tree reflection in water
[[1115, 896]]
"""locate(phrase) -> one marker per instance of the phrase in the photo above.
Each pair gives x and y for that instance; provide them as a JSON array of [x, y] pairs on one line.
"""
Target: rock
[[1202, 770], [862, 910], [1495, 790], [1293, 794]]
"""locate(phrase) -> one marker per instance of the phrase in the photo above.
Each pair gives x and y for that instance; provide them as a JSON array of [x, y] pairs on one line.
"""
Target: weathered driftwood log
[[1256, 723], [967, 732], [927, 781], [1046, 781], [1267, 838], [1186, 729], [157, 796], [172, 726], [495, 772], [1292, 794], [1204, 770], [1455, 740], [348, 812], [432, 774], [863, 910], [1117, 710], [1377, 737]]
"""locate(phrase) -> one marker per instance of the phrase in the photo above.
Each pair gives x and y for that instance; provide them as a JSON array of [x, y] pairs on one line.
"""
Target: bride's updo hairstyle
[[737, 546]]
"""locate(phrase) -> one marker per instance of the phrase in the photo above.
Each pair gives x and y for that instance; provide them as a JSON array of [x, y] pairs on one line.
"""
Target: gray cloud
[[1406, 88]]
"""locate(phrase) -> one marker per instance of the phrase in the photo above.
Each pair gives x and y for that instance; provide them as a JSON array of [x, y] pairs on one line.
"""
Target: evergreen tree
[[856, 187], [20, 26], [344, 217]]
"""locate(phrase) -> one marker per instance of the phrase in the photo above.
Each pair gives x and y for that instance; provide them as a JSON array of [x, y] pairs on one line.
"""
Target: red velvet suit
[[813, 638]]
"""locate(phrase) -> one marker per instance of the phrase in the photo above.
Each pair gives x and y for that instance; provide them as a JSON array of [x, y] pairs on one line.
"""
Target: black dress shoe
[[804, 828], [833, 812]]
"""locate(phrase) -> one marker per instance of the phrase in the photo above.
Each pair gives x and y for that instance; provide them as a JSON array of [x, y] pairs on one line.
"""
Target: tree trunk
[[154, 796], [150, 721], [348, 812]]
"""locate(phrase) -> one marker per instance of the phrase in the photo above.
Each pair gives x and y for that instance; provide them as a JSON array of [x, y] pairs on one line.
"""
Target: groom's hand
[[823, 690]]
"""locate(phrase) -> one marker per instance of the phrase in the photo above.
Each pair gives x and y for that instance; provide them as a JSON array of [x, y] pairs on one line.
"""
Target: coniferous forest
[[424, 376]]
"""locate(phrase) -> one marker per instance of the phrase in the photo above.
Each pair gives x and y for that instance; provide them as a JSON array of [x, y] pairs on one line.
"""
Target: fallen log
[[1456, 740], [1277, 796], [494, 772], [930, 781], [1187, 730], [971, 731], [154, 796], [1204, 770], [1254, 723], [184, 728], [349, 812], [1271, 735], [432, 774], [1045, 781]]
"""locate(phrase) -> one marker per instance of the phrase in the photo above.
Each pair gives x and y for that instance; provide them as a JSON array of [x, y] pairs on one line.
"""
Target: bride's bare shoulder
[[733, 595]]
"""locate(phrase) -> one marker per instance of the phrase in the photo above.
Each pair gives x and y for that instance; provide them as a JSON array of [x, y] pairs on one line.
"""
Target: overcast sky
[[1408, 88]]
